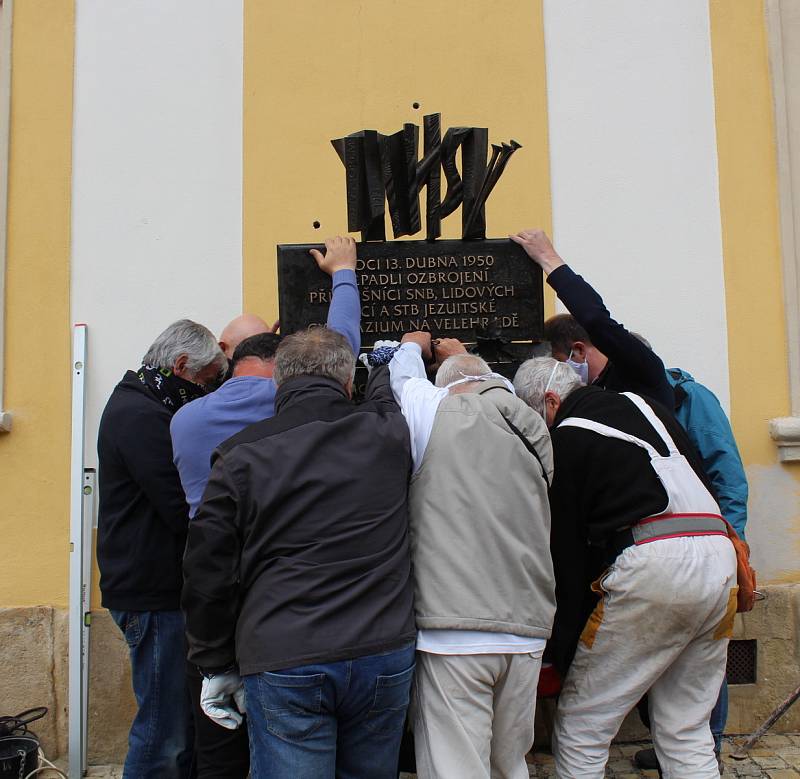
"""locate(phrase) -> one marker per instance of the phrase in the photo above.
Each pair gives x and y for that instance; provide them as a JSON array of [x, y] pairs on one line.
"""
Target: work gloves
[[222, 699]]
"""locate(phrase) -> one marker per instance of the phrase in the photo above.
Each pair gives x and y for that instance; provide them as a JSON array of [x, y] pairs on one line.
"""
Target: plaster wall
[[34, 456], [322, 73], [157, 184], [634, 170]]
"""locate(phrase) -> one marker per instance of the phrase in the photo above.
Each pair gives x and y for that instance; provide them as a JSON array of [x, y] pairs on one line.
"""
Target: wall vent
[[742, 666]]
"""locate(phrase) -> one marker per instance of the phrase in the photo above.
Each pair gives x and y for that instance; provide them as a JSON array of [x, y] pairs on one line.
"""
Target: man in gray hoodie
[[484, 591]]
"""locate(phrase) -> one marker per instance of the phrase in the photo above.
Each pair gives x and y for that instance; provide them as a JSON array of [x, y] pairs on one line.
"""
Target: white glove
[[222, 699]]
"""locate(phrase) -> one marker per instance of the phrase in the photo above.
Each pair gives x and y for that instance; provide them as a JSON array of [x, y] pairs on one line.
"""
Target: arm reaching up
[[339, 262]]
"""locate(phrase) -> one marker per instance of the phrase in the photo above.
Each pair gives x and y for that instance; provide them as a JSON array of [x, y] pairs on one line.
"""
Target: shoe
[[646, 759]]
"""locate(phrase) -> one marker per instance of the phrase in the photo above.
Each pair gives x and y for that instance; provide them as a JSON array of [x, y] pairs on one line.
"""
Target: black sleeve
[[379, 390], [628, 354], [570, 552], [210, 599], [150, 465]]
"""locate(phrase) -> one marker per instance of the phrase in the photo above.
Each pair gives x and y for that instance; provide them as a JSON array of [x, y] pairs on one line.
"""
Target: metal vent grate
[[742, 667]]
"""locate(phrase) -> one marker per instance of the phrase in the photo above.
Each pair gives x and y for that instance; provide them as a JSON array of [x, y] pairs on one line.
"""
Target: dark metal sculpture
[[386, 167]]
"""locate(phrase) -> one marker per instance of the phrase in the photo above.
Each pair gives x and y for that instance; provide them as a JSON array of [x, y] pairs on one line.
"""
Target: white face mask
[[581, 368], [483, 377]]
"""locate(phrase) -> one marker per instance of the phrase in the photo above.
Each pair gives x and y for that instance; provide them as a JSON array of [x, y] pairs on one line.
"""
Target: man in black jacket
[[629, 487], [600, 350], [297, 572], [141, 535]]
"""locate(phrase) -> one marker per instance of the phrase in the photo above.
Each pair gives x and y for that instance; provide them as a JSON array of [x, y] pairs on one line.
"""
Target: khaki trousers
[[473, 715]]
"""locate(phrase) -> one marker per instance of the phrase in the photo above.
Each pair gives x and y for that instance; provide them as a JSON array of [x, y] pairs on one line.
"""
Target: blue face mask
[[581, 368]]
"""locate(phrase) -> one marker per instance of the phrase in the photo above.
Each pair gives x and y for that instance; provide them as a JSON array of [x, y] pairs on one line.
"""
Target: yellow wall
[[757, 349], [34, 457], [320, 70]]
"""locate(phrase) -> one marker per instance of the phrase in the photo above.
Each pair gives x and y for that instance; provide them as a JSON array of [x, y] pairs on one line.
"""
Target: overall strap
[[653, 419], [609, 432]]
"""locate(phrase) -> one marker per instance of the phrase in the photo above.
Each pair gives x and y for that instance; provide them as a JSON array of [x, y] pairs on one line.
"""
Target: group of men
[[301, 578]]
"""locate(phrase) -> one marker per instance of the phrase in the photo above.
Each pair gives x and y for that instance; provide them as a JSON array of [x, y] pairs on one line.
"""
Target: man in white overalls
[[629, 488]]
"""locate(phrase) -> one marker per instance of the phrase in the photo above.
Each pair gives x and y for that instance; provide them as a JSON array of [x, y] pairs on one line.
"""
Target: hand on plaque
[[539, 248], [423, 340], [447, 347], [340, 254]]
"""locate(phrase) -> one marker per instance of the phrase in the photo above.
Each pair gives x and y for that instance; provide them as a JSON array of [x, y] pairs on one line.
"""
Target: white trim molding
[[785, 431], [6, 15], [783, 30]]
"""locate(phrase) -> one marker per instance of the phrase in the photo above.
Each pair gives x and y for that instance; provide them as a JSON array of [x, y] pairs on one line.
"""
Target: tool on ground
[[740, 753]]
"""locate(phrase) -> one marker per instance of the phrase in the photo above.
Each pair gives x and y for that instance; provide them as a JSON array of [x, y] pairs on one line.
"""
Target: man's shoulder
[[128, 403], [251, 434], [193, 413]]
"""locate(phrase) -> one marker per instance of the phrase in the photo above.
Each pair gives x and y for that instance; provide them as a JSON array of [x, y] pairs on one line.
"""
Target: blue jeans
[[719, 715], [160, 739], [342, 719]]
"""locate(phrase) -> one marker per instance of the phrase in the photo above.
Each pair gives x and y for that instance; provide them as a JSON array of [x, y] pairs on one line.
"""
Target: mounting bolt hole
[[316, 225], [415, 105]]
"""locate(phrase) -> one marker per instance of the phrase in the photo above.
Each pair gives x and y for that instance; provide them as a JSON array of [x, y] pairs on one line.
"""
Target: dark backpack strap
[[517, 432]]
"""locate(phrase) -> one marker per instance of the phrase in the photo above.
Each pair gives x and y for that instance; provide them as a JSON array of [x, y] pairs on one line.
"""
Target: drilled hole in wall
[[415, 105], [316, 225]]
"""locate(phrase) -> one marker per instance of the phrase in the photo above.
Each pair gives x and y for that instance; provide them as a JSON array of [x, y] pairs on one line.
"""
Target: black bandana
[[171, 390]]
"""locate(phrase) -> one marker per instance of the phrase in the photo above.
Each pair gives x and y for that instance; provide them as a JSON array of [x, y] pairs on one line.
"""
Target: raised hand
[[340, 254]]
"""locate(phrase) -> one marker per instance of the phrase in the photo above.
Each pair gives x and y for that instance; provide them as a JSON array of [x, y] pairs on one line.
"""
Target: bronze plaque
[[485, 291]]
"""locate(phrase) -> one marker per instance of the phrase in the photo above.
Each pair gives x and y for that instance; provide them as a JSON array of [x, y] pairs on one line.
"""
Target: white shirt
[[419, 401]]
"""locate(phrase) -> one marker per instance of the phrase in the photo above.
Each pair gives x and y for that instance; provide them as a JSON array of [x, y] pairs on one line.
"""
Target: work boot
[[646, 760]]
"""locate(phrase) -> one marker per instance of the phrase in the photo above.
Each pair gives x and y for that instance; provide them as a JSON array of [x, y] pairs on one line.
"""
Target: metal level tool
[[82, 494]]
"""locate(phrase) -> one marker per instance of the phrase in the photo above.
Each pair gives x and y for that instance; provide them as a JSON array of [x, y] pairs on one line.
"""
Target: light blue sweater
[[201, 426]]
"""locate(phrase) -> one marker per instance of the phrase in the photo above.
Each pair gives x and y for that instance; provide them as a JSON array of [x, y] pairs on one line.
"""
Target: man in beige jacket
[[484, 592]]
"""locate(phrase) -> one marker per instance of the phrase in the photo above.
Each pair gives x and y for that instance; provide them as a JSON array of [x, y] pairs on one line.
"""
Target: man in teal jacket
[[700, 414]]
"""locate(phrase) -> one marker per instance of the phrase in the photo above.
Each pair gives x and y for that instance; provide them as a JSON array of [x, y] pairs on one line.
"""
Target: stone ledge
[[785, 431]]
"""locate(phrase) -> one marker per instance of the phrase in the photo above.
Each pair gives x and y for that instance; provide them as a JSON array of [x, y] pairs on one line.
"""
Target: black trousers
[[219, 753]]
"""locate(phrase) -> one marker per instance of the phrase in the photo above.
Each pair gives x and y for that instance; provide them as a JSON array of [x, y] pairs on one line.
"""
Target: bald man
[[240, 328]]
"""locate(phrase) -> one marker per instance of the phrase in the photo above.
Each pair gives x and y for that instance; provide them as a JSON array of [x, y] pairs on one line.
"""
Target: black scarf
[[171, 390]]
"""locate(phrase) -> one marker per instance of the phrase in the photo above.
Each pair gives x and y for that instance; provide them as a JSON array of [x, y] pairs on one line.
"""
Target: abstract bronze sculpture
[[386, 167]]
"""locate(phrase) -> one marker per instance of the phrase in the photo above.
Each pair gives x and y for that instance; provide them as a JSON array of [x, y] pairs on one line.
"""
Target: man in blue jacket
[[249, 396], [602, 351]]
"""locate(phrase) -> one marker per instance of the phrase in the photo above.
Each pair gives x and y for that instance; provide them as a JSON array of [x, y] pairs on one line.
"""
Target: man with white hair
[[630, 500], [141, 535], [480, 524]]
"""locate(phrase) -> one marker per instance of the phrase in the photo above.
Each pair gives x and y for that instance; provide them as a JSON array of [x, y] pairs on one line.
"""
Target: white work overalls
[[662, 625]]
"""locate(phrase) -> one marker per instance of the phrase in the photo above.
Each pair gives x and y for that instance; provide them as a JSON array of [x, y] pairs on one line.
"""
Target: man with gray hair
[[143, 518], [632, 510], [480, 526], [297, 572]]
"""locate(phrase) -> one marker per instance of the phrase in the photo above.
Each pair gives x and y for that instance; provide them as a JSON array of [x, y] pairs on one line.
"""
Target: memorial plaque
[[486, 293]]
